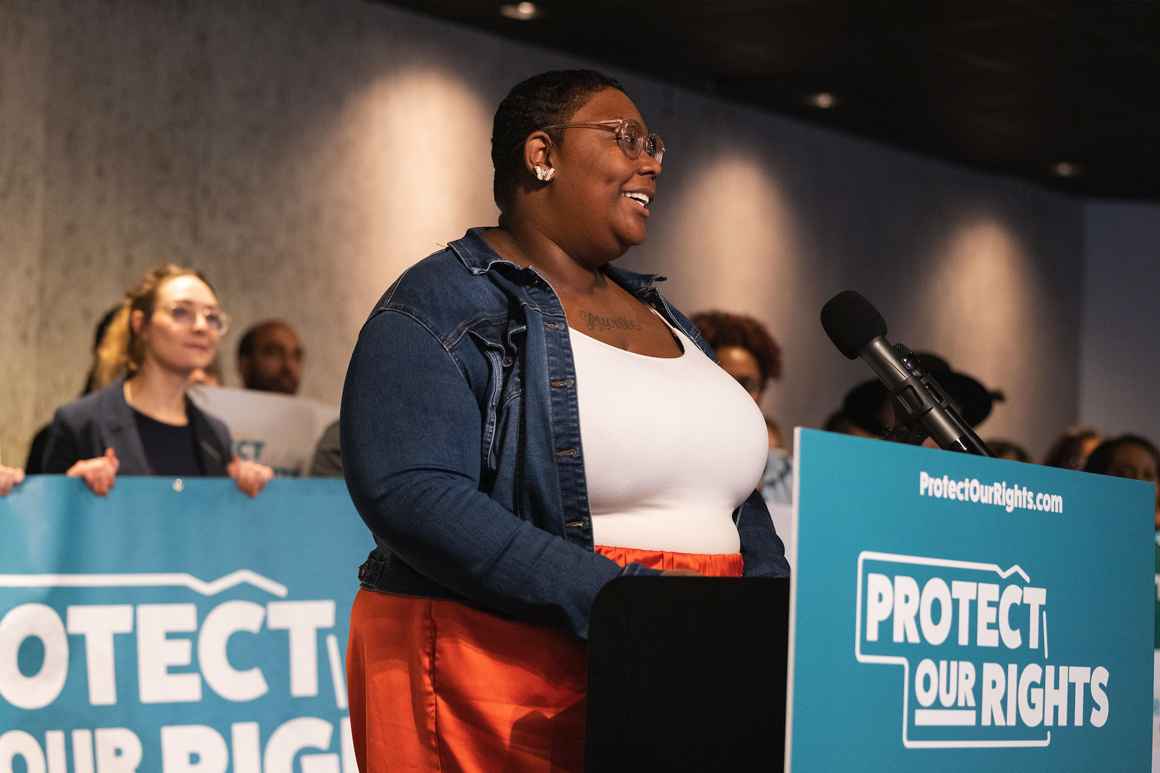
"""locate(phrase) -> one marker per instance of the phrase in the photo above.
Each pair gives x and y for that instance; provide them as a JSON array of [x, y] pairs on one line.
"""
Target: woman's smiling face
[[603, 194]]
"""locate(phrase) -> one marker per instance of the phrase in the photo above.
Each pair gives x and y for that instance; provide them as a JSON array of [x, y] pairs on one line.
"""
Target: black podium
[[687, 673]]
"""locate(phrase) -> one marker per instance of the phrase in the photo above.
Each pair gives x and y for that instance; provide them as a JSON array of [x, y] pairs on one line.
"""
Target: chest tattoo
[[597, 322]]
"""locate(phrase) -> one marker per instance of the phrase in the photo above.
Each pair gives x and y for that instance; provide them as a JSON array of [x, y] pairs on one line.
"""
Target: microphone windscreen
[[851, 322]]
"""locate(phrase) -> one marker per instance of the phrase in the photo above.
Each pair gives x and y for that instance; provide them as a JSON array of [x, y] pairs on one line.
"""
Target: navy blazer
[[85, 428]]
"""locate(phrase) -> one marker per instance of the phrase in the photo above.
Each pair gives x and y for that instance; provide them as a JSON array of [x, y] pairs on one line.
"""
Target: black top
[[168, 447], [85, 428]]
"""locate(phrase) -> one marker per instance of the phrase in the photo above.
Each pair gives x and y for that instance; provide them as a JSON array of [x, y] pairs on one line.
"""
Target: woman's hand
[[98, 474], [10, 477], [251, 477]]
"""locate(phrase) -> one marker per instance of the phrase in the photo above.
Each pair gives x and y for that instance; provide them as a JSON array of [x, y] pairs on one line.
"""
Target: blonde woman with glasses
[[141, 422]]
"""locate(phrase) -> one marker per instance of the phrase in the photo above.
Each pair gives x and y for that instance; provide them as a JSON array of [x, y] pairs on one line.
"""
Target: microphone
[[858, 330]]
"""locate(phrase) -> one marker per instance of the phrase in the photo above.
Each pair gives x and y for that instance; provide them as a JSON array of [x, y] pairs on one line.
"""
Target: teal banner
[[176, 626], [957, 613]]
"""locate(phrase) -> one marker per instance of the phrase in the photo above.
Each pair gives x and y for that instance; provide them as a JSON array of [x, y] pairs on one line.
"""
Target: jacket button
[[561, 383], [565, 452], [552, 326], [573, 524]]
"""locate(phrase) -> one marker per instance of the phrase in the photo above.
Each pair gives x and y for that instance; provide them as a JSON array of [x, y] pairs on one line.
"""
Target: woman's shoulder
[[90, 407], [445, 293]]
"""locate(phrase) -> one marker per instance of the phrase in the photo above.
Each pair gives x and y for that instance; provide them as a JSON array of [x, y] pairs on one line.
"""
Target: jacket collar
[[117, 416], [479, 258]]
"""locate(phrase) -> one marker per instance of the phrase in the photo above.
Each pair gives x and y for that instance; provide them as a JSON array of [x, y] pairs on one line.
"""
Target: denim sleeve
[[761, 548], [411, 430]]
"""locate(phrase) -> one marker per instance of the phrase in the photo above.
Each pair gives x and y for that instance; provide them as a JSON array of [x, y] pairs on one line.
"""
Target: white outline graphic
[[944, 718], [179, 580], [899, 558], [183, 580]]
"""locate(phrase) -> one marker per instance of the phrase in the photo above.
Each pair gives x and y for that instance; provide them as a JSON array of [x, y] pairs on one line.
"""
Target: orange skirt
[[438, 686]]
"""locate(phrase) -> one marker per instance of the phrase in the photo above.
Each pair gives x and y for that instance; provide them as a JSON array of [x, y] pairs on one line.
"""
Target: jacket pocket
[[501, 399]]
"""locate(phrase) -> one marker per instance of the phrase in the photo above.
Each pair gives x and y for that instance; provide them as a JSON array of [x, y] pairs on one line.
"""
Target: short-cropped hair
[[542, 100]]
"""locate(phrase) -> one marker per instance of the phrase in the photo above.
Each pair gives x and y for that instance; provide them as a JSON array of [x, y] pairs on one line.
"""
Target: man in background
[[270, 423], [270, 358]]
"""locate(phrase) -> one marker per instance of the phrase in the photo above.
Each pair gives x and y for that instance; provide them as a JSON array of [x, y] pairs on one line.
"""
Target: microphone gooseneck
[[858, 330]]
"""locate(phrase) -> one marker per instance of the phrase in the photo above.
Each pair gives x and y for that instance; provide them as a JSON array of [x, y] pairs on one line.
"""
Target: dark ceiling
[[1009, 87]]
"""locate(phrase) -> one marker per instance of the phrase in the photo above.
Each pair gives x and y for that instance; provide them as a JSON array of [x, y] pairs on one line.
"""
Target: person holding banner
[[35, 461], [523, 422], [143, 423]]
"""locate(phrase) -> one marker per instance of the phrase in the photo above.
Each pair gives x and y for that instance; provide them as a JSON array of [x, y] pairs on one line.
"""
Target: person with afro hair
[[745, 349]]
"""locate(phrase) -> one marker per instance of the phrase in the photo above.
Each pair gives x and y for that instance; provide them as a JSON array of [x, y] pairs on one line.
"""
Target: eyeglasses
[[186, 314], [630, 136]]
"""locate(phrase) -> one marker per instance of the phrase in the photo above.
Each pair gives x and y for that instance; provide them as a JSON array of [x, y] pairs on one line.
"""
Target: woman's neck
[[158, 393], [522, 242]]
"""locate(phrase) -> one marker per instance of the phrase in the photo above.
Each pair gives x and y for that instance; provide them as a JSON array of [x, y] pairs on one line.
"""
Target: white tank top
[[671, 446]]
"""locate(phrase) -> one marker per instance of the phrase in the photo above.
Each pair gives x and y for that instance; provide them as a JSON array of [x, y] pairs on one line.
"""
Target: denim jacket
[[461, 442]]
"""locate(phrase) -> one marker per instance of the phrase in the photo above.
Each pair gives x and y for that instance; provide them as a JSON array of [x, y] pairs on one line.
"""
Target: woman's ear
[[538, 156]]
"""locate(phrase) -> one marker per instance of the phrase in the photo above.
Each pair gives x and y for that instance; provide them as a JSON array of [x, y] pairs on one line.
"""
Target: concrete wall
[[304, 152], [1120, 366]]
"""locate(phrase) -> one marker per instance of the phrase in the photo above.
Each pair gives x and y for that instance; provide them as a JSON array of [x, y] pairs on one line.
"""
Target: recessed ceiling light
[[1065, 169], [520, 11], [823, 100]]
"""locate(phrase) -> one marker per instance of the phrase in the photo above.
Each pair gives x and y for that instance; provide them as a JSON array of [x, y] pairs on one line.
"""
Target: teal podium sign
[[957, 613]]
